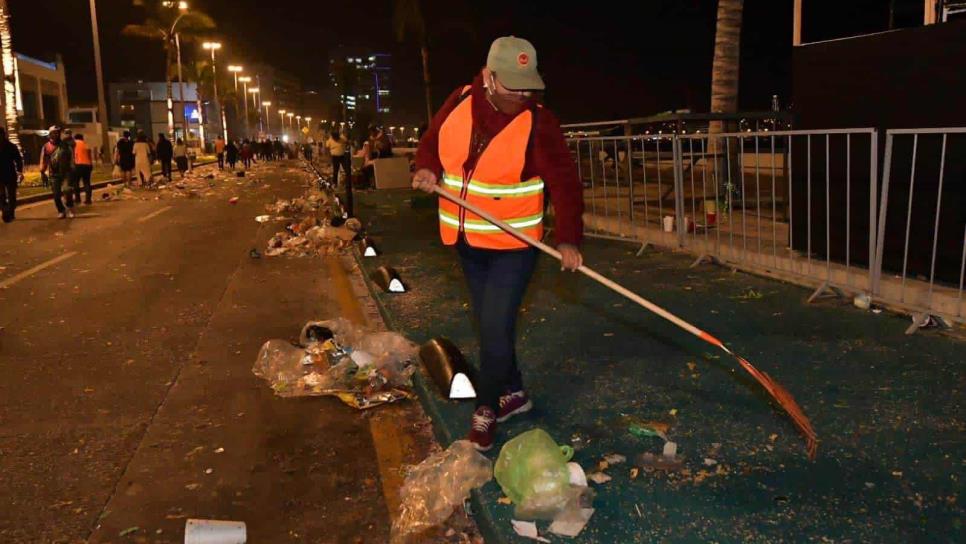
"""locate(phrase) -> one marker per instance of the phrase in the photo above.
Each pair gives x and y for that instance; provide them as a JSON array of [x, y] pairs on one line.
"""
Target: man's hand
[[571, 259], [424, 180]]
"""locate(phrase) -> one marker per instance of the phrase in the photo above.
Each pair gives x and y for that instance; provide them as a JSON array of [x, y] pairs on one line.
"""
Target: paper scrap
[[614, 458], [577, 476], [527, 529], [572, 525], [598, 477]]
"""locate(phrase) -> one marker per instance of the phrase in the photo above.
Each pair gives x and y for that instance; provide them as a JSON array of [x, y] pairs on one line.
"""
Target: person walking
[[246, 154], [231, 154], [165, 152], [337, 145], [57, 165], [180, 153], [124, 157], [142, 159], [11, 174], [220, 152], [83, 167], [494, 145]]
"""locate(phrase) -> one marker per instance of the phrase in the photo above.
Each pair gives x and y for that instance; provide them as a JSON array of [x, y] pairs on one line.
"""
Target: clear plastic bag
[[436, 486], [532, 471], [338, 358]]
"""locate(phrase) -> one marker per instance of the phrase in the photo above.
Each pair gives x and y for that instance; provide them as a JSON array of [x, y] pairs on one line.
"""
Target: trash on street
[[532, 470], [434, 487], [364, 369]]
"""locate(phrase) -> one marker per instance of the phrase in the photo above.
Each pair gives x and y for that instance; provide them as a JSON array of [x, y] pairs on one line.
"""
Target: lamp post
[[173, 32], [254, 91], [101, 100], [235, 69], [290, 116], [244, 81], [268, 125], [215, 46], [281, 116]]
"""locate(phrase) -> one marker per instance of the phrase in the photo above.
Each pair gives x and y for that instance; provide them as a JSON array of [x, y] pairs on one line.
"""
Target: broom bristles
[[787, 402]]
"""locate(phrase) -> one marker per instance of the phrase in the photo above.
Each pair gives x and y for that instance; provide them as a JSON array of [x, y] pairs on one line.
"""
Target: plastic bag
[[532, 471], [434, 487], [340, 359]]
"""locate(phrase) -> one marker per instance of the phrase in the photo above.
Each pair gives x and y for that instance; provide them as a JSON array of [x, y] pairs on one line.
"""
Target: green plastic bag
[[532, 470]]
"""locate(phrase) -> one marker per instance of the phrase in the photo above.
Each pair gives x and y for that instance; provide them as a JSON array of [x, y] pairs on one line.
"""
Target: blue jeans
[[497, 281]]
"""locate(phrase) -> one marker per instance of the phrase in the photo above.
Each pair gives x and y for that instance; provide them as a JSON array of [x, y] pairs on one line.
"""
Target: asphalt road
[[127, 402]]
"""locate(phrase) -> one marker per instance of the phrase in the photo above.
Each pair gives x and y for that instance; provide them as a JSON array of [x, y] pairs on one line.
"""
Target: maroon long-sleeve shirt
[[547, 157]]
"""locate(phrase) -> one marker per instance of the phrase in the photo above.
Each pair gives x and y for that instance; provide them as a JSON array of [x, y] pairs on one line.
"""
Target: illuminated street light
[[234, 69], [268, 124], [245, 80], [215, 46]]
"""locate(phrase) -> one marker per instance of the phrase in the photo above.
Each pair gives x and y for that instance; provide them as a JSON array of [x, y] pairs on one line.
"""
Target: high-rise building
[[363, 80]]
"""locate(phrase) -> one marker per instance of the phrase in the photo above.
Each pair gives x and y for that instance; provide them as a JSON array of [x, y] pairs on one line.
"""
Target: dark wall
[[913, 78]]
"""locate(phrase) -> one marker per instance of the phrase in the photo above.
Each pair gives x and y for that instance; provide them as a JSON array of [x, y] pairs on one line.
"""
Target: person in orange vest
[[494, 145], [83, 166]]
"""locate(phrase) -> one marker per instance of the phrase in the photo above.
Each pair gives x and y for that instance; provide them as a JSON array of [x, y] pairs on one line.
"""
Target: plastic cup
[[212, 531], [668, 223]]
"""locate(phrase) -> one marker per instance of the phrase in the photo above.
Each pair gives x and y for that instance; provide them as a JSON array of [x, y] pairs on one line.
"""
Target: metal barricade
[[791, 204], [921, 239], [629, 186], [785, 203]]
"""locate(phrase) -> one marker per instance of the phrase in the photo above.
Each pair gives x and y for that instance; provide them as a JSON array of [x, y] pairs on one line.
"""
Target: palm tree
[[162, 23], [724, 74], [199, 71], [9, 82], [408, 21]]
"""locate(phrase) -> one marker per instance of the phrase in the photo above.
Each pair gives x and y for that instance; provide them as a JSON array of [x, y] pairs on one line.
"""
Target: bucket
[[212, 531]]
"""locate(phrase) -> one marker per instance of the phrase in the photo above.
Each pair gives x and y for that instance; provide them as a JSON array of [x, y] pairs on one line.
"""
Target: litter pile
[[313, 226], [435, 487], [336, 358]]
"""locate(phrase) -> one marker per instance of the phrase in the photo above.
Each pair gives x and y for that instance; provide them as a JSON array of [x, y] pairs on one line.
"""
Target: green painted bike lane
[[888, 408]]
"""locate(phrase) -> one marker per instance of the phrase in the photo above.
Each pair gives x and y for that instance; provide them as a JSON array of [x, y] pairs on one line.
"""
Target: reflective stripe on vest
[[474, 187], [495, 184]]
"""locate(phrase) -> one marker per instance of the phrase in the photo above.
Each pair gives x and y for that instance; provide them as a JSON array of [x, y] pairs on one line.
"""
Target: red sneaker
[[512, 404], [483, 428]]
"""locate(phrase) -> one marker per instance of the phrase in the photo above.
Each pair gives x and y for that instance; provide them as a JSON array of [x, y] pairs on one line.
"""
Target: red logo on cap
[[523, 59]]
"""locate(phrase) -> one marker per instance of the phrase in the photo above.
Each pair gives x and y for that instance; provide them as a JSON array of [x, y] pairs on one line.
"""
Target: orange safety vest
[[495, 184], [81, 153]]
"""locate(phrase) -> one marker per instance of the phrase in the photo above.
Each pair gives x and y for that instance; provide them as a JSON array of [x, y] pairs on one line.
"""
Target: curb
[[40, 197]]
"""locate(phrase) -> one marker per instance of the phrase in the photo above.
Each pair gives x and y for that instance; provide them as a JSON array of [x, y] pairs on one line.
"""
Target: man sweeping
[[495, 146]]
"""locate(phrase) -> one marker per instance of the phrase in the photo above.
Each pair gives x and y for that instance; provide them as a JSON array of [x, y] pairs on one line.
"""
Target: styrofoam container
[[213, 531]]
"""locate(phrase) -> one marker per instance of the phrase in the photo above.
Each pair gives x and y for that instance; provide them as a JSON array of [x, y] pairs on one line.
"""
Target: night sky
[[600, 60]]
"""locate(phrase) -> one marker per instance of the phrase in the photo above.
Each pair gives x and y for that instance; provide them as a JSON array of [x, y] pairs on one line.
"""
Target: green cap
[[514, 61]]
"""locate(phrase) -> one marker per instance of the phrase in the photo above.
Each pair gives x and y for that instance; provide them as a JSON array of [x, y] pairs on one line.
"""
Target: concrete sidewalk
[[888, 407]]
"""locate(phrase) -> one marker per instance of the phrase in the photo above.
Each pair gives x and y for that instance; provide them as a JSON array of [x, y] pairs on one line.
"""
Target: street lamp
[[183, 8], [268, 124], [290, 116], [245, 80], [254, 91], [215, 46], [234, 69]]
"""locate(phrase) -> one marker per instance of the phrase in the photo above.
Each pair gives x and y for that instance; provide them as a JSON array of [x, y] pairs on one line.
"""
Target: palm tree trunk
[[424, 51], [9, 81], [724, 85]]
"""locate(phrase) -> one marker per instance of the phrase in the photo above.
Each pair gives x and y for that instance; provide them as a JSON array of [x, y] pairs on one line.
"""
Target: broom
[[777, 392]]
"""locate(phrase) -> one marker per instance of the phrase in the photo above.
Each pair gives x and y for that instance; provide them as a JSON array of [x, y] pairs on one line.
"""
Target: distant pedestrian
[[124, 157], [181, 157], [278, 149], [83, 167], [11, 173], [231, 154], [337, 145], [247, 154], [57, 164], [142, 159], [165, 153], [307, 152], [220, 152]]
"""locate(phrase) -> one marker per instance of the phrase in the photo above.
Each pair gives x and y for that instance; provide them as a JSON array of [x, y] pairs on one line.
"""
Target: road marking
[[386, 424], [154, 214], [27, 273]]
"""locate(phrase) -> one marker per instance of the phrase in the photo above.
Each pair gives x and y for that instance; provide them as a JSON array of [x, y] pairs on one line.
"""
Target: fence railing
[[801, 205]]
